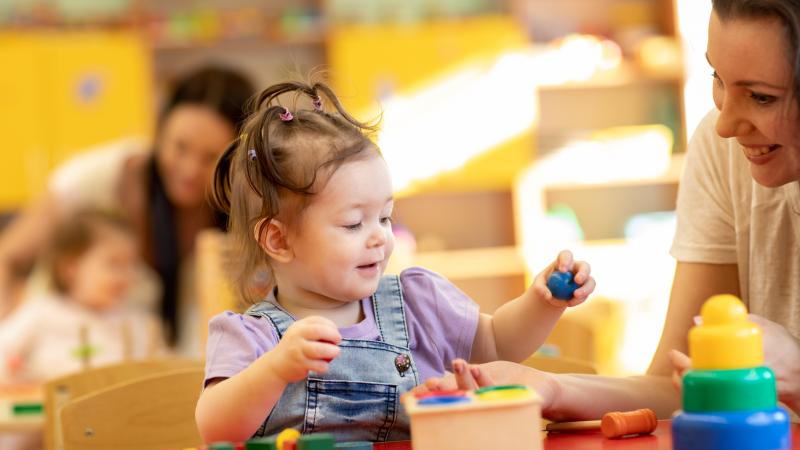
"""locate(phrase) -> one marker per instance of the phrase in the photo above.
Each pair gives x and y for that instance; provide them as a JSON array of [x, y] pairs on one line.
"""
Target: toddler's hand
[[465, 376], [308, 346], [565, 263]]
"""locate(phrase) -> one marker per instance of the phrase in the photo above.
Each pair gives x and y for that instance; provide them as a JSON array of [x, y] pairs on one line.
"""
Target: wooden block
[[497, 417]]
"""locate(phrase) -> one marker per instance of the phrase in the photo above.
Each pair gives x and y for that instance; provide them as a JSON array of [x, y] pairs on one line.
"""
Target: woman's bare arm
[[22, 240]]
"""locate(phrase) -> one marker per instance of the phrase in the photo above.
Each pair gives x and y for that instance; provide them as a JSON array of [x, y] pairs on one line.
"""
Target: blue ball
[[562, 285]]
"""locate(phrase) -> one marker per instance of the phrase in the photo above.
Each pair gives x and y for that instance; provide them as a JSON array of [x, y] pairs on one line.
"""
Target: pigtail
[[221, 181], [332, 98], [262, 165]]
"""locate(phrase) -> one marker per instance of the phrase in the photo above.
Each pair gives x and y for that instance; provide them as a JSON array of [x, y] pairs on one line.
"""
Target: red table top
[[661, 439]]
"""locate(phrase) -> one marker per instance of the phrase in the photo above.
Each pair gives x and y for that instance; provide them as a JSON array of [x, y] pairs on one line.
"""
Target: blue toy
[[562, 285]]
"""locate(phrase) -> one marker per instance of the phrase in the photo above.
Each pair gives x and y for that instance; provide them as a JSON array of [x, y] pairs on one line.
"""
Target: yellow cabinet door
[[62, 93]]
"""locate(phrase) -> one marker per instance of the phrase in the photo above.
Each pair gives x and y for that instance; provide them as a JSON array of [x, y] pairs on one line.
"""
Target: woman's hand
[[565, 263], [308, 345], [680, 364], [782, 355], [474, 376], [464, 376]]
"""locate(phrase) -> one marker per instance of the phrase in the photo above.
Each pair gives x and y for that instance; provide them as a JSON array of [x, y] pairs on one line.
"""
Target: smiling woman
[[738, 213], [753, 91], [161, 189]]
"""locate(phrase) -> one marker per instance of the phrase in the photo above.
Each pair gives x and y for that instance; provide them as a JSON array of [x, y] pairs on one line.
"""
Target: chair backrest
[[214, 289], [61, 390], [150, 413], [560, 364]]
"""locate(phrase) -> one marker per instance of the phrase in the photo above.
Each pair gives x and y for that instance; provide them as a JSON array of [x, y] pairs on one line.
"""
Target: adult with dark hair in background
[[160, 188], [738, 219]]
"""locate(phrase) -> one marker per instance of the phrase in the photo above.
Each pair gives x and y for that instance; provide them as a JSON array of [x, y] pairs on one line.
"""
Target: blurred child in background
[[82, 320]]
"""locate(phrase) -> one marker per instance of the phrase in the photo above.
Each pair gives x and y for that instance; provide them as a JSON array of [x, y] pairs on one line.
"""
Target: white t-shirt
[[91, 179], [45, 335], [724, 217]]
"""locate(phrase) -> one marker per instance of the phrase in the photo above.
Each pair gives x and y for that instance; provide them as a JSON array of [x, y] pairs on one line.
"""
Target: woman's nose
[[731, 121]]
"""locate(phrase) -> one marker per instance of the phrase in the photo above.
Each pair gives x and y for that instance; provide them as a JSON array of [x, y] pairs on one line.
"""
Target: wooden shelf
[[315, 39], [473, 263], [671, 176], [628, 73]]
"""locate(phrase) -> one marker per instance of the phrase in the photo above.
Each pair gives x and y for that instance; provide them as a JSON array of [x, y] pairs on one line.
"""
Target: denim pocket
[[351, 410]]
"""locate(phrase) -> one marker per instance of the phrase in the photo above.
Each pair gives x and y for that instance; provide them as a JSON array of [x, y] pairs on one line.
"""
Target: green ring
[[729, 390]]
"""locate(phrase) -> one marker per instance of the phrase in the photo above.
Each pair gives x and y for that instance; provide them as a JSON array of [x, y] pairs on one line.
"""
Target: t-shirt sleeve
[[442, 320], [234, 342], [89, 179], [706, 230]]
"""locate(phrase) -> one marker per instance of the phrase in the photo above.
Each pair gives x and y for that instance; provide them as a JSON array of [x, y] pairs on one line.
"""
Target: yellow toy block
[[726, 339], [503, 417]]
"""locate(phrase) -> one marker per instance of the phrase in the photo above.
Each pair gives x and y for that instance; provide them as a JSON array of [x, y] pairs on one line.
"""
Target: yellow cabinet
[[64, 92]]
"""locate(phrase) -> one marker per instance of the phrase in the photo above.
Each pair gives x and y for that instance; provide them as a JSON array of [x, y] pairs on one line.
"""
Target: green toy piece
[[729, 390], [266, 443], [356, 445], [316, 441]]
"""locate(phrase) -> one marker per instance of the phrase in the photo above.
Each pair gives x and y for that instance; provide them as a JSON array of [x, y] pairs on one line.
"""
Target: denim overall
[[359, 397]]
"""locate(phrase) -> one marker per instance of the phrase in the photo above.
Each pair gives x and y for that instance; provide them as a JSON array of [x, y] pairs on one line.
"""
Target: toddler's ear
[[272, 237]]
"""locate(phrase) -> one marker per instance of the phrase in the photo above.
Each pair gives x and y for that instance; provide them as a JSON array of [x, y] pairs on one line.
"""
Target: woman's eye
[[762, 99], [716, 77]]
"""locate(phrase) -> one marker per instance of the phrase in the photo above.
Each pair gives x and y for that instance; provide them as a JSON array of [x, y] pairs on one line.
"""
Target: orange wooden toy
[[614, 424], [618, 424]]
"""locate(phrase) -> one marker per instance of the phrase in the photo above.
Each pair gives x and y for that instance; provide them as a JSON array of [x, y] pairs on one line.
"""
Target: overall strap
[[387, 302], [280, 319]]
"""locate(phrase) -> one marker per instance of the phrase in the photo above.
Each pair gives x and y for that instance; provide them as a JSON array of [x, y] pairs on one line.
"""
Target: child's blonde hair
[[75, 236], [284, 156]]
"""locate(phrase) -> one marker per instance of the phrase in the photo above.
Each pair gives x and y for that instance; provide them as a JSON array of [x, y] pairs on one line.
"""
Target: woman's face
[[192, 138], [752, 90]]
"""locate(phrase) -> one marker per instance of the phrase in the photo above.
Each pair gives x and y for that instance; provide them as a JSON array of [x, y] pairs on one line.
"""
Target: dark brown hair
[[787, 11], [278, 164], [75, 236], [226, 92]]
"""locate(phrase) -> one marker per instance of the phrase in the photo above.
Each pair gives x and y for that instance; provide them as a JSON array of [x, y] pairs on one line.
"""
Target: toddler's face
[[344, 238], [102, 276]]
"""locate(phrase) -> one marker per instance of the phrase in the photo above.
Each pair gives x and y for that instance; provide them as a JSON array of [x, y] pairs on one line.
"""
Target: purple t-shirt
[[441, 322]]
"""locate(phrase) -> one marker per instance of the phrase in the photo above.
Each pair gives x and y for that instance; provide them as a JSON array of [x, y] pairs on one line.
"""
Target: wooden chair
[[58, 392], [560, 364], [214, 289], [150, 413]]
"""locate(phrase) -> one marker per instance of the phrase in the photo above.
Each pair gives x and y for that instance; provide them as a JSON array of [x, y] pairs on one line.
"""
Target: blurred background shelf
[[475, 95]]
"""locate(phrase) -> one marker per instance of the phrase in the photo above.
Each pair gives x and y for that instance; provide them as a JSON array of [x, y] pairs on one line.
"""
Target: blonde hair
[[281, 160]]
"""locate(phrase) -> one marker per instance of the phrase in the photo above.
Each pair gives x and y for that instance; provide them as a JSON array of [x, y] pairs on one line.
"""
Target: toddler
[[83, 320], [335, 343]]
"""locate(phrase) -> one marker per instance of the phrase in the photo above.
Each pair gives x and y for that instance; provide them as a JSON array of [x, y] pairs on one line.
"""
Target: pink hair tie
[[317, 102], [286, 115]]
